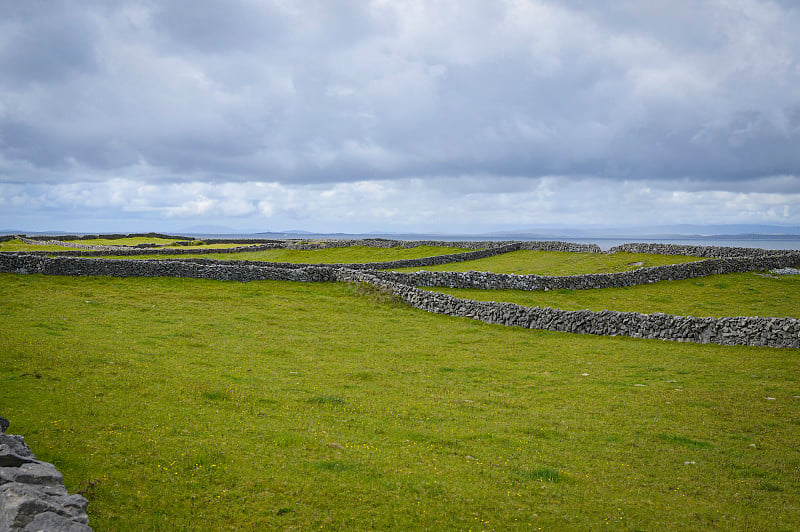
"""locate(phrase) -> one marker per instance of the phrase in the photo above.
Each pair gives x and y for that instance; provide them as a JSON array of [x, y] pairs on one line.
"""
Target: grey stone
[[20, 503], [53, 522], [42, 473], [13, 451]]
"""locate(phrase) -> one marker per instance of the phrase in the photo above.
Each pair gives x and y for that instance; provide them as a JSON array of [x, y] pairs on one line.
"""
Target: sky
[[397, 116]]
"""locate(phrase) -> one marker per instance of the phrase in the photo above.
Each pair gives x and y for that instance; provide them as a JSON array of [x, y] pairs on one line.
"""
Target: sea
[[787, 242], [763, 241]]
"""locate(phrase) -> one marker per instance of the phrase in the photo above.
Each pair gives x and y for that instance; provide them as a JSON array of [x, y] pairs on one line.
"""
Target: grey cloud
[[208, 27], [334, 92], [44, 45]]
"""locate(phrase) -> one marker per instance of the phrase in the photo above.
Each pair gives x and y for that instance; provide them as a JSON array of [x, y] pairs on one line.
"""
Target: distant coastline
[[750, 240]]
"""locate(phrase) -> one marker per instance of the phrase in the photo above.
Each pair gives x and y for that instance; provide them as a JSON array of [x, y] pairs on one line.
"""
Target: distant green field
[[558, 263], [128, 241], [350, 254], [211, 405], [167, 242], [737, 294], [18, 245]]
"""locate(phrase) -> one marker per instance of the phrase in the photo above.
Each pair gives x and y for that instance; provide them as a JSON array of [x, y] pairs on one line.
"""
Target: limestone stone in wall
[[32, 493]]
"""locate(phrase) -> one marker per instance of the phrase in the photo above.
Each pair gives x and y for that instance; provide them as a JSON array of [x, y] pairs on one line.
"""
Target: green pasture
[[737, 294], [126, 241], [181, 404], [19, 245], [167, 242], [349, 254], [558, 263]]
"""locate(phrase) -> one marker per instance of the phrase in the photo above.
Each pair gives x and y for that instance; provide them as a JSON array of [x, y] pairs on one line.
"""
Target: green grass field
[[18, 245], [739, 294], [558, 263], [127, 241], [181, 404], [167, 242]]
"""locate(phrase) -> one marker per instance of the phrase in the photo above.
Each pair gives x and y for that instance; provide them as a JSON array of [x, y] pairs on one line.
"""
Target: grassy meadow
[[737, 294], [178, 404], [126, 241], [182, 404], [18, 245]]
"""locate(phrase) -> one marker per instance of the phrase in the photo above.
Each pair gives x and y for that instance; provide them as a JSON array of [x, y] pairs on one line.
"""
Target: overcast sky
[[451, 116]]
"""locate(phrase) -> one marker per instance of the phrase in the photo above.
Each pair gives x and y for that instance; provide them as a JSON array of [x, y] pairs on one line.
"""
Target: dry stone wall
[[718, 252], [670, 272], [755, 331], [81, 266], [32, 492], [403, 263], [775, 332]]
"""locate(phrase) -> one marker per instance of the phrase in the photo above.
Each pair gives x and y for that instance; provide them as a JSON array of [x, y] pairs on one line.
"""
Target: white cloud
[[422, 205]]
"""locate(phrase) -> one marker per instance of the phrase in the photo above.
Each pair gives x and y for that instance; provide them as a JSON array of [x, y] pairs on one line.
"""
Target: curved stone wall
[[32, 493], [669, 272], [402, 263], [754, 331], [775, 332]]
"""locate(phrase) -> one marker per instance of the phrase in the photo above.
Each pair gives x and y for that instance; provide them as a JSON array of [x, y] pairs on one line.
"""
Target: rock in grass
[[4, 424]]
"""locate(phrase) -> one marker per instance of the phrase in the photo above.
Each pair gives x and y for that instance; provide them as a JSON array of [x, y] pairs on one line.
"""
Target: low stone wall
[[669, 272], [402, 263], [554, 245], [775, 332], [80, 266], [718, 252], [32, 493], [754, 331]]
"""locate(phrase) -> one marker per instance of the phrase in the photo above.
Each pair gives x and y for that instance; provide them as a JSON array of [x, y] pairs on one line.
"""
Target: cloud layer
[[236, 110]]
